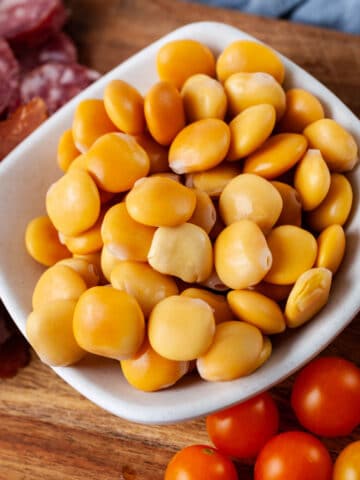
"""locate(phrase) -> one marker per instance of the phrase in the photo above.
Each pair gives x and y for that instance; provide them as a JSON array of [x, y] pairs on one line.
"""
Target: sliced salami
[[9, 76], [20, 124], [30, 22], [56, 83], [58, 48]]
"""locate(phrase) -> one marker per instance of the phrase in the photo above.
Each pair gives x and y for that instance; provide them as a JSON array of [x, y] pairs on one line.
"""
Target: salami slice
[[56, 83], [20, 124], [30, 22], [9, 76], [58, 48]]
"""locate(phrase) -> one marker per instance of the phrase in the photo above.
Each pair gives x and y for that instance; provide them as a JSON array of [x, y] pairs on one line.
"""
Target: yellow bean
[[308, 296], [145, 202], [234, 352], [86, 242], [164, 112], [336, 144], [257, 309], [184, 251], [108, 322], [331, 248], [204, 215], [249, 56], [291, 211], [312, 179], [90, 123], [148, 371], [213, 181], [251, 197], [247, 89], [336, 206], [87, 270], [158, 154], [199, 146], [49, 331], [42, 242], [145, 284], [58, 282], [265, 353], [125, 107], [293, 252], [242, 256], [178, 60], [249, 130], [108, 263], [116, 161], [125, 238], [203, 97], [181, 328], [302, 108], [218, 303], [66, 150], [277, 155], [73, 203]]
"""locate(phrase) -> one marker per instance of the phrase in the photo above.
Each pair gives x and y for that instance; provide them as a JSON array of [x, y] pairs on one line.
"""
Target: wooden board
[[47, 430]]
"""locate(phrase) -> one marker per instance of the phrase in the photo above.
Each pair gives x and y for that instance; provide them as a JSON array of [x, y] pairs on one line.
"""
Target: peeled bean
[[308, 296], [184, 251]]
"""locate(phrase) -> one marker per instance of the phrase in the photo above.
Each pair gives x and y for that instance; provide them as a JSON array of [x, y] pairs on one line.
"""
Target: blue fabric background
[[339, 14]]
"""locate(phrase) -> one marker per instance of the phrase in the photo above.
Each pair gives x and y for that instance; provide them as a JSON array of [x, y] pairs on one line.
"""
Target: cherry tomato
[[200, 462], [326, 396], [347, 465], [293, 456], [241, 431]]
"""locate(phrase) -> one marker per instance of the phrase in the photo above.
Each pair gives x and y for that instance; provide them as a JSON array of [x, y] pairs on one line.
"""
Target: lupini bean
[[250, 197], [242, 256], [234, 352], [308, 296], [108, 322], [249, 56], [181, 328]]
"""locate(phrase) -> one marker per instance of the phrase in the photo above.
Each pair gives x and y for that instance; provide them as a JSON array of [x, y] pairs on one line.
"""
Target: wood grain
[[47, 430]]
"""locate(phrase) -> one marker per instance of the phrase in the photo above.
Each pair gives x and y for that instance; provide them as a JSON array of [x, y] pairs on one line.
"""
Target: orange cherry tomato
[[241, 431], [326, 396], [200, 462], [293, 456], [347, 465]]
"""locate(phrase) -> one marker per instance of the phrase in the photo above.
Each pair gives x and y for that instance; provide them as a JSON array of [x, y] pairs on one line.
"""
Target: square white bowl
[[25, 176]]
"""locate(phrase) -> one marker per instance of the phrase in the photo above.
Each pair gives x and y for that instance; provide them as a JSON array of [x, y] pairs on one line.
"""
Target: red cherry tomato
[[293, 456], [347, 465], [241, 431], [200, 462], [326, 396]]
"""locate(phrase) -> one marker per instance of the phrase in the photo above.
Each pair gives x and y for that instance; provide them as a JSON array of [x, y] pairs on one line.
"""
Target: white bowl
[[24, 178]]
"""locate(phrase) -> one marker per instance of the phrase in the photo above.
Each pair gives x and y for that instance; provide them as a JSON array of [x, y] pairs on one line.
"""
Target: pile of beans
[[192, 223]]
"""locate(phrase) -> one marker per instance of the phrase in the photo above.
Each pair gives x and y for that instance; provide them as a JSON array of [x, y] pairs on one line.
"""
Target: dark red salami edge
[[56, 83], [9, 76], [30, 22]]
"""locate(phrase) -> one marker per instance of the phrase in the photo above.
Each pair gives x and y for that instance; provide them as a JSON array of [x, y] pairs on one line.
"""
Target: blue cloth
[[338, 14]]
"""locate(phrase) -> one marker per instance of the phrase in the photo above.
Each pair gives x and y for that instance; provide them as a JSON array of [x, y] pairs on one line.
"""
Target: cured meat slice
[[9, 75], [58, 48], [20, 124], [56, 83], [30, 22]]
